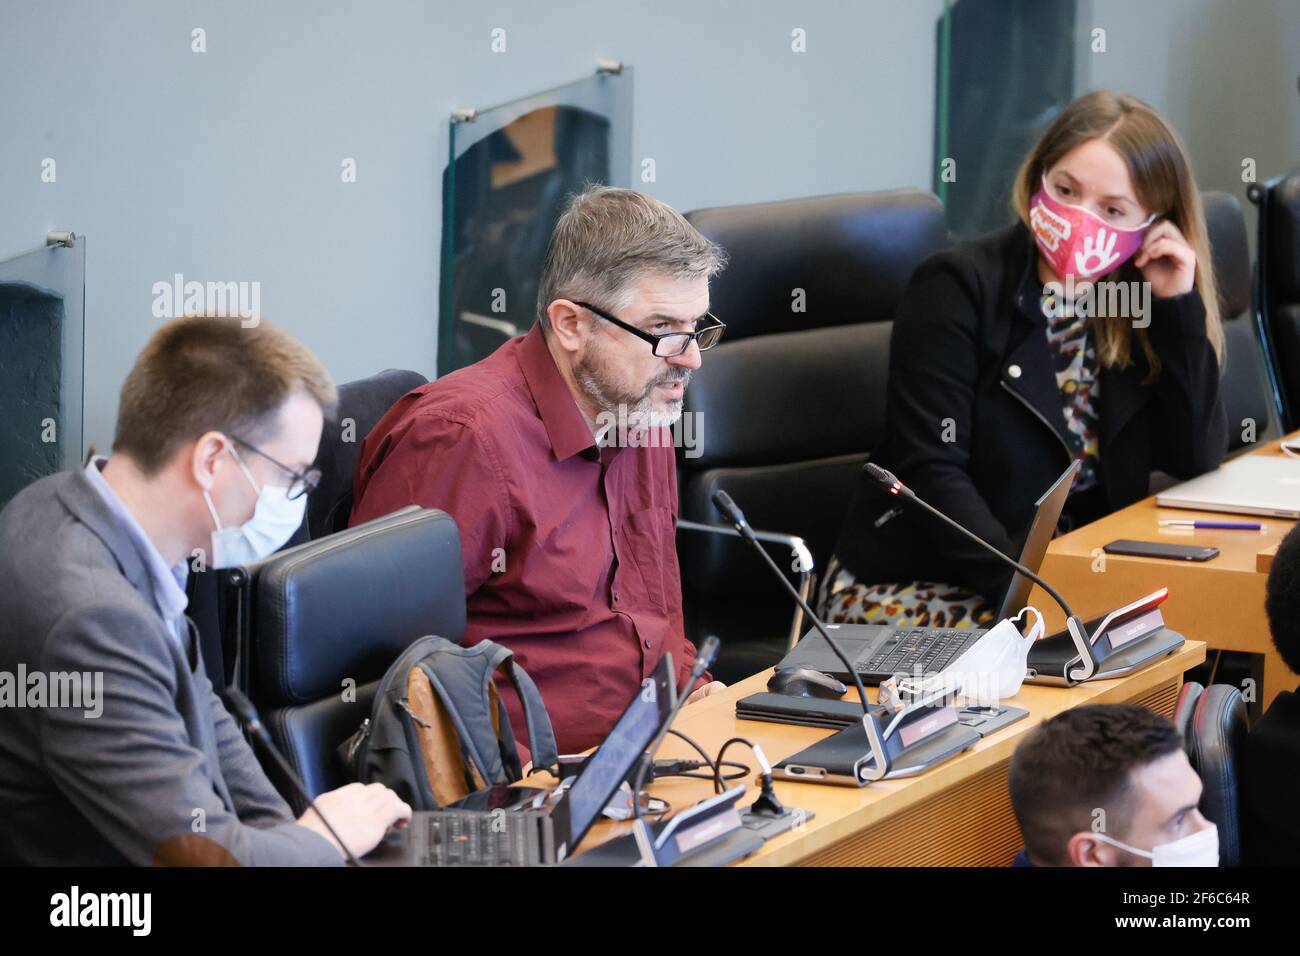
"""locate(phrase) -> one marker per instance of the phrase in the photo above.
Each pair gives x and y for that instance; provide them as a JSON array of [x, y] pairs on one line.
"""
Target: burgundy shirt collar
[[566, 427]]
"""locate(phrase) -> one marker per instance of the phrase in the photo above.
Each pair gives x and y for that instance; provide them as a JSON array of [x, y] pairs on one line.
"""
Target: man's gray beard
[[640, 409]]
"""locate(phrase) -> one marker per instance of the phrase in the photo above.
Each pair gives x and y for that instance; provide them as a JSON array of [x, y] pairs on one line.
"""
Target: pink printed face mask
[[1076, 241]]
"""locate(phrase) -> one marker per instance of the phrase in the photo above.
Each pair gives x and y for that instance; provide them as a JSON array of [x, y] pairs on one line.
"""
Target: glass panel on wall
[[1004, 68], [509, 172], [42, 333]]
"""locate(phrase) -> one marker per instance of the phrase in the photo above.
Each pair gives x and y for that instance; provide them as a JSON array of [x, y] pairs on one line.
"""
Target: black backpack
[[438, 729]]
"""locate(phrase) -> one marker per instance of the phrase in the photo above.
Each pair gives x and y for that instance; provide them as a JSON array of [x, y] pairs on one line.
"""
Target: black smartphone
[[1159, 549]]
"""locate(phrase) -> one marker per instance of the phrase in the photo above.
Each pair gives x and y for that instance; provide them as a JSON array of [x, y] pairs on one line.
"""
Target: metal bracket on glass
[[612, 67], [796, 545], [59, 238], [464, 114]]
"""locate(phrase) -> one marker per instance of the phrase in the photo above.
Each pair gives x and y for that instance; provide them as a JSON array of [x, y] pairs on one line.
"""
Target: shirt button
[[1013, 371], [647, 644], [615, 597]]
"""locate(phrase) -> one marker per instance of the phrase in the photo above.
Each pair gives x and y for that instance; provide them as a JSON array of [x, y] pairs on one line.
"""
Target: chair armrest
[[798, 547]]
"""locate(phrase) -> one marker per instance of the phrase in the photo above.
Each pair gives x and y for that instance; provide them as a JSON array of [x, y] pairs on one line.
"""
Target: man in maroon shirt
[[555, 456]]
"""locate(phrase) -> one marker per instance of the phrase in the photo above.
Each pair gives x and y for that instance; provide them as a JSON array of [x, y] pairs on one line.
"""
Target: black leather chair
[[1245, 382], [361, 404], [1213, 723], [324, 620], [1277, 287], [793, 399], [1186, 706]]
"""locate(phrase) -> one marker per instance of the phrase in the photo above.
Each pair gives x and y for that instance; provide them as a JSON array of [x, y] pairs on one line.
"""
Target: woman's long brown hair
[[1162, 178]]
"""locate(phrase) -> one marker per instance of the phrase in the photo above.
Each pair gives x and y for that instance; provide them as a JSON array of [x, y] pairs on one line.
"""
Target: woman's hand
[[1166, 261]]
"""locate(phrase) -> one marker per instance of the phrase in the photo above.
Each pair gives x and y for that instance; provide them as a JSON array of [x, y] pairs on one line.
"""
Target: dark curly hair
[[1282, 599]]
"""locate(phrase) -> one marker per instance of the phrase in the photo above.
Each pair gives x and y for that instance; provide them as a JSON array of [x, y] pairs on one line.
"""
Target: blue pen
[[1220, 525]]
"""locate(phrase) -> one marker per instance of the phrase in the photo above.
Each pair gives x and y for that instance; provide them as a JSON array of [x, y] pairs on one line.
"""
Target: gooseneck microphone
[[729, 510], [704, 659], [881, 763], [247, 715], [1078, 632]]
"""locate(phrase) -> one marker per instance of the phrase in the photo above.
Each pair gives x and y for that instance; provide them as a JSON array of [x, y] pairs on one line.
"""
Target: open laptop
[[879, 651], [538, 836], [1251, 485]]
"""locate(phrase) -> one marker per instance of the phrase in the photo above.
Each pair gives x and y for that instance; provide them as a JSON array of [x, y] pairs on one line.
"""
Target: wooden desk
[[1264, 560], [956, 814], [1219, 602]]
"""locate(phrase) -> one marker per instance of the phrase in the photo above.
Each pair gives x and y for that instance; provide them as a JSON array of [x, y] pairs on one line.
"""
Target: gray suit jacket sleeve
[[140, 771], [256, 800]]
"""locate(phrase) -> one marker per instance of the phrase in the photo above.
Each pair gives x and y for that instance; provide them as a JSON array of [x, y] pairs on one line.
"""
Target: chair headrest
[[1186, 707], [851, 254], [1229, 250], [361, 404], [1214, 744], [1284, 236], [790, 397], [345, 606]]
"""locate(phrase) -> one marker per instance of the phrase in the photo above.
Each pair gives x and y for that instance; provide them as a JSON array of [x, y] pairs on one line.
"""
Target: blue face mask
[[275, 519]]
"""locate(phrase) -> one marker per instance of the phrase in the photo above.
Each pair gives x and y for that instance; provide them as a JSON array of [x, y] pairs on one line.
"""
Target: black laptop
[[545, 835], [879, 651]]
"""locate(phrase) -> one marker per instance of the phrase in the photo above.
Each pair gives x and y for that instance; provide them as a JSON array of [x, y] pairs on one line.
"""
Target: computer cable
[[683, 768], [767, 804]]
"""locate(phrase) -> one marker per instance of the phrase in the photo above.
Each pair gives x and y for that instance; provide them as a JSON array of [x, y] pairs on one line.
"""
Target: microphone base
[[839, 759], [1053, 658]]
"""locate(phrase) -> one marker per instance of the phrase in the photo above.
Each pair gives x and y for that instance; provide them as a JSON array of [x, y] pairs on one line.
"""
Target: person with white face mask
[[1109, 785], [218, 425], [277, 514]]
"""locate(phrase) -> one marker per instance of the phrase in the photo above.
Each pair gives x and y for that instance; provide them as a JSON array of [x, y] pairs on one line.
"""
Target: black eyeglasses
[[674, 343], [302, 482]]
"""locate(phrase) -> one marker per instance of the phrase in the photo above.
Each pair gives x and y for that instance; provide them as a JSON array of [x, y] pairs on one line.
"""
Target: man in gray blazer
[[113, 747]]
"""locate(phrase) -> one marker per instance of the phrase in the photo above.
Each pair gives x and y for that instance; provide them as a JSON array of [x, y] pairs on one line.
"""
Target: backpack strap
[[461, 676], [541, 736], [464, 680]]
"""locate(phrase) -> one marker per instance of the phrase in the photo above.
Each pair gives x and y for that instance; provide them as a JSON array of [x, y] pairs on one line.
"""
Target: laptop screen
[[1046, 515], [617, 755]]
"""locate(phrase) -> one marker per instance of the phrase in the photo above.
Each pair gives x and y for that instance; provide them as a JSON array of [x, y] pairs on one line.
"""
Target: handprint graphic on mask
[[1099, 247], [1076, 241]]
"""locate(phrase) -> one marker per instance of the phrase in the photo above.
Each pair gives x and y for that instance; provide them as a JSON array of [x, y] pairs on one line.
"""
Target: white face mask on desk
[[994, 668]]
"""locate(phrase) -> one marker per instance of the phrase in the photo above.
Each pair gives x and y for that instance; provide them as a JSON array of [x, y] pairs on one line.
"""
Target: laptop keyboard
[[495, 838], [928, 649]]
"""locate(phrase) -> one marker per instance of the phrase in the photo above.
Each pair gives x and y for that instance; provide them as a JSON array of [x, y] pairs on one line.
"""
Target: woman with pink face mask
[[1088, 331]]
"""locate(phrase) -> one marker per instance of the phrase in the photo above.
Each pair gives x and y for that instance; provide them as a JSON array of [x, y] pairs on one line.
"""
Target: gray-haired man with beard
[[567, 518]]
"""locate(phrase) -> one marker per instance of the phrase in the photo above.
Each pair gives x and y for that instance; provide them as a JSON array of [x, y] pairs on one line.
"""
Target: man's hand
[[360, 812], [702, 692]]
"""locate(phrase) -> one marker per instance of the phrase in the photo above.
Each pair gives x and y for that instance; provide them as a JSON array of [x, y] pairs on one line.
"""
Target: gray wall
[[1223, 72], [226, 165]]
